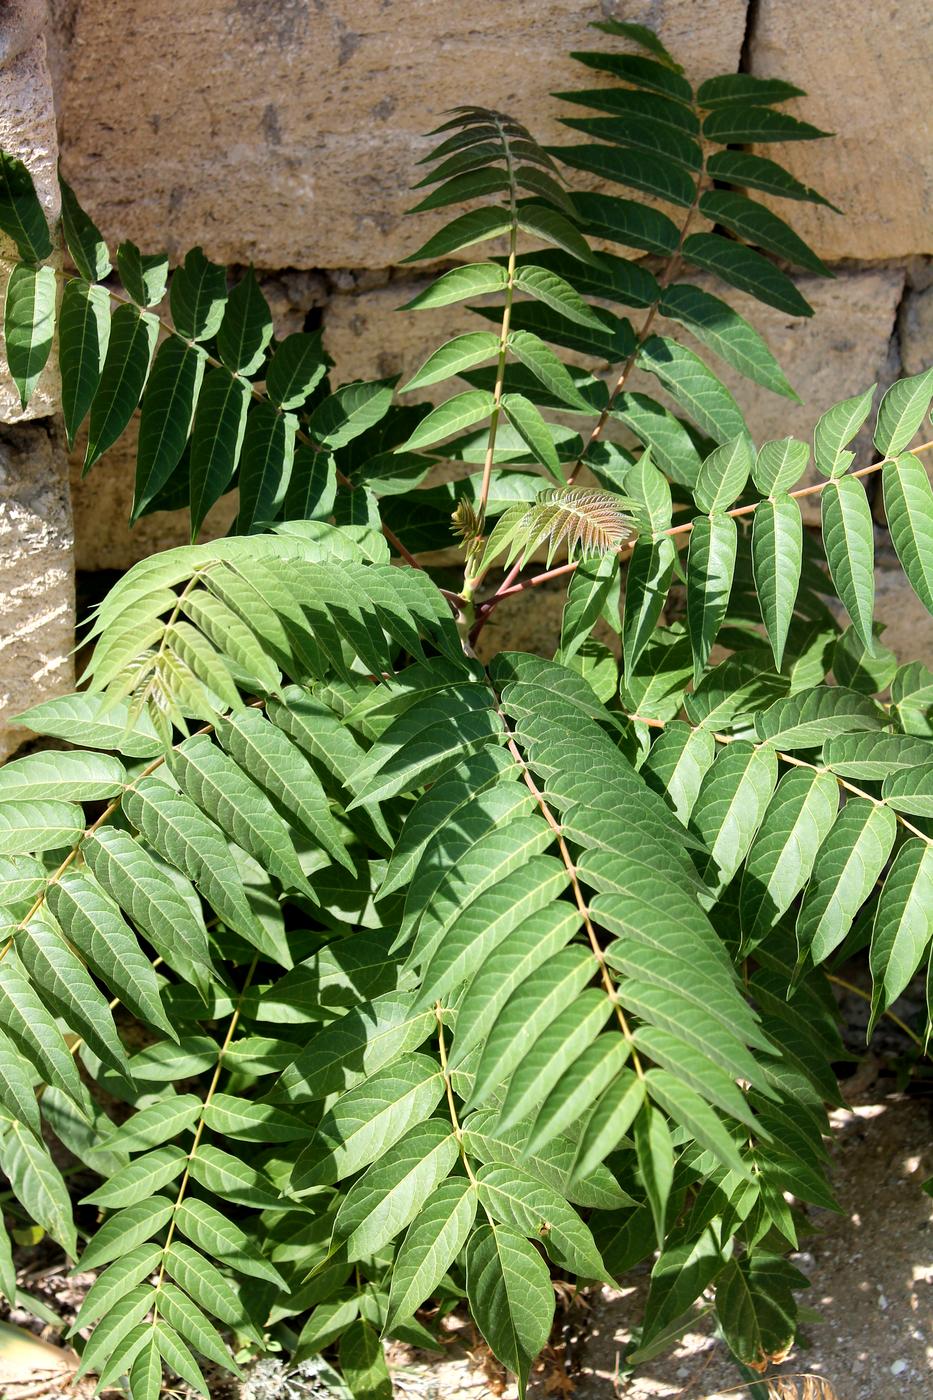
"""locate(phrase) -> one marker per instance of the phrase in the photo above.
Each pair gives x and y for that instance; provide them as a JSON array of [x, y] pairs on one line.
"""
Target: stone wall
[[286, 133]]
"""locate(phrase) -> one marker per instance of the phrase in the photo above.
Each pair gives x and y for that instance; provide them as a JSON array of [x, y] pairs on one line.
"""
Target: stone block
[[27, 130], [868, 71], [288, 133], [37, 616]]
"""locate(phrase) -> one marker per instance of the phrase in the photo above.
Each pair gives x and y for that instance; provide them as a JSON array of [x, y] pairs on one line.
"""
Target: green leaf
[[903, 924], [639, 34], [779, 863], [722, 477], [167, 409], [146, 1374], [22, 217], [205, 1284], [431, 1244], [903, 409], [179, 1312], [94, 719], [741, 89], [29, 325], [246, 328], [474, 227], [908, 506], [780, 465], [368, 1120], [729, 808], [459, 412], [690, 1111], [874, 756], [538, 357], [119, 1325], [389, 1195], [355, 1046], [849, 541], [517, 1198], [757, 173], [717, 326], [69, 991], [95, 926], [143, 1177], [640, 106], [363, 1363], [135, 1265], [298, 365], [144, 276], [655, 1154], [640, 72], [777, 558], [747, 125], [468, 184], [652, 174], [223, 1240], [911, 790], [694, 387], [83, 333], [758, 225], [197, 297], [593, 592], [555, 292], [837, 427], [38, 826], [847, 865], [129, 350], [265, 466], [552, 227], [36, 1034], [747, 270], [459, 284], [38, 1184], [124, 1231], [625, 220], [756, 1307], [710, 566], [216, 439], [510, 1296], [83, 238], [807, 719], [532, 429], [157, 1123], [463, 352]]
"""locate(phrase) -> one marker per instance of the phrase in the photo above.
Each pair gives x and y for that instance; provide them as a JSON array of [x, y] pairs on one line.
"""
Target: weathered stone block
[[288, 132], [867, 71], [37, 616]]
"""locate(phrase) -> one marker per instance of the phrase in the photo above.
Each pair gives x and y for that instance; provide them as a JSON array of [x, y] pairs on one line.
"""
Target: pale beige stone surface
[[288, 132], [37, 618], [867, 68], [27, 130]]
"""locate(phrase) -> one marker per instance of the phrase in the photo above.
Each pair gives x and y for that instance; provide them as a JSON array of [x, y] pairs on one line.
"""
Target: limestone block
[[908, 626], [288, 132], [27, 130], [916, 330], [36, 574], [868, 72]]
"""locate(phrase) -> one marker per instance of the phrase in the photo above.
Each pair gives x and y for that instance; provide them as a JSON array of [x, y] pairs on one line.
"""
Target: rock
[[915, 329], [908, 627], [851, 57], [37, 616], [27, 130], [288, 133]]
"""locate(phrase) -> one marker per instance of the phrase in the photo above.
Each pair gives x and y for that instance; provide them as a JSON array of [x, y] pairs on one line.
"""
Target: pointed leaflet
[[780, 465], [143, 275], [795, 824], [36, 1034], [694, 387], [652, 174], [849, 541], [83, 333], [874, 756], [83, 238], [510, 1296], [349, 412], [222, 1239], [22, 217], [807, 719], [129, 350], [757, 224], [363, 1363], [625, 220], [902, 411], [715, 324], [246, 328], [79, 776], [908, 506], [757, 173], [459, 284], [87, 718], [197, 296], [17, 1092], [747, 270], [691, 1111], [38, 826], [538, 357], [729, 808], [593, 593], [710, 565], [552, 1072], [847, 865], [777, 556], [69, 991], [38, 1184], [555, 292], [655, 1155], [157, 1123], [265, 466], [459, 412], [551, 227], [746, 125], [903, 924], [664, 78], [387, 1197], [911, 790], [216, 439], [432, 1243], [723, 474], [167, 408], [474, 227], [517, 1198], [837, 427], [463, 352], [532, 429], [298, 365], [360, 1042], [29, 325], [470, 184], [141, 1178]]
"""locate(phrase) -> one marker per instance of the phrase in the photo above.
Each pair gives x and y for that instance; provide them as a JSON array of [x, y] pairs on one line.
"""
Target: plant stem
[[451, 1102]]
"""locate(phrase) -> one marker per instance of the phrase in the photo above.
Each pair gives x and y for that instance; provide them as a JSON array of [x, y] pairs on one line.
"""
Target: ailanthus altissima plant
[[361, 978]]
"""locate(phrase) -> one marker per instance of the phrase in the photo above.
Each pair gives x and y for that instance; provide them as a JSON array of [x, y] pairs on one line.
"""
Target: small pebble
[[898, 1368]]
